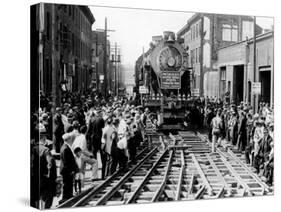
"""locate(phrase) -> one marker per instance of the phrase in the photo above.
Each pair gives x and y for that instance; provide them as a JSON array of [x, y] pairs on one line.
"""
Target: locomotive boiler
[[164, 81]]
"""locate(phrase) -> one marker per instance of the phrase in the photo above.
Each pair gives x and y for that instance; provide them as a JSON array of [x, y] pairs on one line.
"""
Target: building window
[[197, 30], [48, 27], [230, 32], [196, 55], [73, 44], [223, 74], [247, 29], [223, 81], [194, 31], [192, 56]]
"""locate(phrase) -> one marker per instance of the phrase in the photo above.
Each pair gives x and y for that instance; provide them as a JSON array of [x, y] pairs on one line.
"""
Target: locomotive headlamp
[[171, 61]]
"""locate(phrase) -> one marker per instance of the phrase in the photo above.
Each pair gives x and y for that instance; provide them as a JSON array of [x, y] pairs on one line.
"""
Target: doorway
[[238, 83], [265, 86]]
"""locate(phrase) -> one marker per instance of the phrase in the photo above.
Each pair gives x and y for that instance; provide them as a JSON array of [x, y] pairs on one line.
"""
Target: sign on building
[[256, 88], [195, 92], [170, 80], [143, 90], [101, 77]]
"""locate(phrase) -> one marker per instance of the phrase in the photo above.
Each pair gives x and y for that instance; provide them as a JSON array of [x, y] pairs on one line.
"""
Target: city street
[[149, 106]]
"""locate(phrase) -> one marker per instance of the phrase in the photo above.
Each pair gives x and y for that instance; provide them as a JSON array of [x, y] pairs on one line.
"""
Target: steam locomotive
[[163, 81]]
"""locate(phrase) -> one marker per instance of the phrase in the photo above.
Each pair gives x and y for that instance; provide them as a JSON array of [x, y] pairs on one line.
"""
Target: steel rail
[[202, 175], [122, 181], [73, 201], [234, 172], [238, 178], [220, 194], [200, 193], [191, 184], [266, 187], [164, 181], [217, 171], [116, 187], [132, 198], [180, 176]]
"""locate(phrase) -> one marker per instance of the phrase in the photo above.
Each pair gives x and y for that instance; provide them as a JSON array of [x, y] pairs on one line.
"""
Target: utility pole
[[105, 30], [115, 74], [105, 58], [115, 59], [254, 65], [55, 88], [201, 33], [41, 45]]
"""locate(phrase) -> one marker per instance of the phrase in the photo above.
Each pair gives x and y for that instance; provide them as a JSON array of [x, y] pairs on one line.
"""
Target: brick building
[[203, 35], [62, 48]]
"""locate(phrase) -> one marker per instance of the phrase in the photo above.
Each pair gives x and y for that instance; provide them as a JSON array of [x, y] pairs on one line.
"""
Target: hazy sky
[[134, 28]]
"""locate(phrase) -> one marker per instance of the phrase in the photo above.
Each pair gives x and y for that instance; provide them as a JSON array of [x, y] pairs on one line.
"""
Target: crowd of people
[[102, 134], [249, 132], [105, 134]]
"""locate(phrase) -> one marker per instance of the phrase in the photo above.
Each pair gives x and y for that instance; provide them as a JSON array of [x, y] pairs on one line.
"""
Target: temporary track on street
[[176, 167]]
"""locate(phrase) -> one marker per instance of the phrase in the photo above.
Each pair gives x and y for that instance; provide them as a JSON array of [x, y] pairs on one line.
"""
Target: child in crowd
[[79, 177]]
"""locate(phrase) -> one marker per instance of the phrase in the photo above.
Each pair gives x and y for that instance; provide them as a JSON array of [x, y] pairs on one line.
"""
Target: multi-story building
[[100, 72], [237, 75], [203, 35], [62, 52]]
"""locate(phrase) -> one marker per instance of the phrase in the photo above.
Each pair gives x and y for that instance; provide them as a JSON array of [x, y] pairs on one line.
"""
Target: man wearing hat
[[47, 170], [106, 146], [96, 125], [58, 130], [257, 138], [68, 167], [265, 146], [242, 132]]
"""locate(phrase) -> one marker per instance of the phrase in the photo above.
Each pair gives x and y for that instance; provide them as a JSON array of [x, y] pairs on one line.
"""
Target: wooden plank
[[222, 180], [145, 179], [220, 193], [191, 184], [236, 175], [260, 182], [108, 194], [202, 175], [162, 186], [200, 193], [180, 176], [74, 201]]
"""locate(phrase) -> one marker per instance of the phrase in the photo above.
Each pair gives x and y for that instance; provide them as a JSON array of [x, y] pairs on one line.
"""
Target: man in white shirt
[[106, 146], [80, 141], [122, 147], [122, 127]]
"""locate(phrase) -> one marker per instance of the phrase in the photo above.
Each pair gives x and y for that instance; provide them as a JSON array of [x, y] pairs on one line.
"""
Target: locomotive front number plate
[[170, 80]]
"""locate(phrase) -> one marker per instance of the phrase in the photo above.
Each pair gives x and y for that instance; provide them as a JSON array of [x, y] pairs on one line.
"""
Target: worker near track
[[216, 125]]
